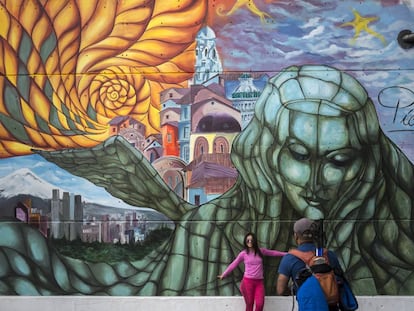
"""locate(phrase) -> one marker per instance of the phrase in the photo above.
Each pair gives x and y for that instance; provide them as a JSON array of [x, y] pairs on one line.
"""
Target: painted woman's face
[[317, 162]]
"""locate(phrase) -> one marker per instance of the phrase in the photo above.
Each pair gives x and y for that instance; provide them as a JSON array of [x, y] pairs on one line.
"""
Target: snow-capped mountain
[[24, 181]]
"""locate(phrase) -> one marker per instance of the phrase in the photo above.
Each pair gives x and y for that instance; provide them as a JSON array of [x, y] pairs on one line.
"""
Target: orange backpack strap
[[304, 256]]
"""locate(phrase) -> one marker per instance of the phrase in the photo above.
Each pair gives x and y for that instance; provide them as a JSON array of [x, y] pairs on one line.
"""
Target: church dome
[[206, 33], [218, 123]]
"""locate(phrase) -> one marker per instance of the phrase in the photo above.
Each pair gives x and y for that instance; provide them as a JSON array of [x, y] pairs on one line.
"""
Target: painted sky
[[300, 32], [322, 32]]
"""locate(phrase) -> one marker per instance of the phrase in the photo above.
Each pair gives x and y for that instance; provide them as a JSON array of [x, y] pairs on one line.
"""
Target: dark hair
[[315, 234], [254, 242], [307, 235]]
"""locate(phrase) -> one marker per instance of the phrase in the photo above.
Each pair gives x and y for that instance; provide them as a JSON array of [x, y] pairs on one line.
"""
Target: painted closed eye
[[342, 158], [299, 152]]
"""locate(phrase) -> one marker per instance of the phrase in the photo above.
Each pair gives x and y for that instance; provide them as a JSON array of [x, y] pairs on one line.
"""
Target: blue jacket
[[310, 296]]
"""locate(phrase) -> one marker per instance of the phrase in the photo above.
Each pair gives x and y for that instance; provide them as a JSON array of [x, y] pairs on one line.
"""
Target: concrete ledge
[[153, 303]]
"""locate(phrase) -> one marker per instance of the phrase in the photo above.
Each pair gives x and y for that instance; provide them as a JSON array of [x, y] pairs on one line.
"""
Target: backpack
[[319, 267]]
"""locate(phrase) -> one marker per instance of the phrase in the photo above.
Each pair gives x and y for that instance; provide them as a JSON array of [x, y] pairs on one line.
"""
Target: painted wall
[[19, 303], [315, 99]]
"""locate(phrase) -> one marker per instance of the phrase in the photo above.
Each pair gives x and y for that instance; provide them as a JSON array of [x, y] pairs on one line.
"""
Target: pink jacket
[[253, 265]]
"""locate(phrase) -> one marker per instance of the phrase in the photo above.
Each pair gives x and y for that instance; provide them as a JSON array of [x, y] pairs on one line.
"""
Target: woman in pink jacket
[[252, 286]]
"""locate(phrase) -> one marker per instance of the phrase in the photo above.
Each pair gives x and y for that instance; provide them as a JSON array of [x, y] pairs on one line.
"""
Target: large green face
[[317, 162]]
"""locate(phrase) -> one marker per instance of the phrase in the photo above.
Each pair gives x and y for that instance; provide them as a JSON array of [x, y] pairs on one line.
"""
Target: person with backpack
[[294, 268], [252, 286]]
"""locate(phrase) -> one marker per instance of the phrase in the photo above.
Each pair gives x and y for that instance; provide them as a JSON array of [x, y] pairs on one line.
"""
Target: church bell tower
[[208, 62]]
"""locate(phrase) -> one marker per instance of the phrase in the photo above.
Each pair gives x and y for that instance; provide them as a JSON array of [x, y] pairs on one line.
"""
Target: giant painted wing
[[124, 172]]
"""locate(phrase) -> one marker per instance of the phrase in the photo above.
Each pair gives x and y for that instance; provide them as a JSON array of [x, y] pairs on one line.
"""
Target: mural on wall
[[205, 119]]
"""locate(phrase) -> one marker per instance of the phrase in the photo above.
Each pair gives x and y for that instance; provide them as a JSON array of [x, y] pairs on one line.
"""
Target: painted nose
[[314, 184]]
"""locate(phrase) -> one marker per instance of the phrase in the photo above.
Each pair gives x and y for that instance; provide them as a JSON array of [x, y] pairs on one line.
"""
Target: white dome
[[206, 33]]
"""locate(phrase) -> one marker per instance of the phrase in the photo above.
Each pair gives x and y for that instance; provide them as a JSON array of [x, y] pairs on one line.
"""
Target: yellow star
[[360, 23], [250, 5]]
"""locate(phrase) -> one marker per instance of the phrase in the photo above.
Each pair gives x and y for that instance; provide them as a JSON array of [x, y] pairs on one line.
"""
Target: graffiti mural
[[163, 131]]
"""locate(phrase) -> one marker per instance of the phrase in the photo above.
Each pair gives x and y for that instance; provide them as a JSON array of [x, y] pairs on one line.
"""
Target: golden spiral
[[115, 93], [69, 67]]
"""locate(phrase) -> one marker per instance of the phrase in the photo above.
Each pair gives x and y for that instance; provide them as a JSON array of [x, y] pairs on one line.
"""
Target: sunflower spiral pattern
[[67, 68]]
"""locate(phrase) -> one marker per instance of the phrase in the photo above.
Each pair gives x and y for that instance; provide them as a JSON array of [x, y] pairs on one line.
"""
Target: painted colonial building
[[131, 129], [198, 125], [172, 171], [153, 148], [245, 95], [169, 118], [208, 64]]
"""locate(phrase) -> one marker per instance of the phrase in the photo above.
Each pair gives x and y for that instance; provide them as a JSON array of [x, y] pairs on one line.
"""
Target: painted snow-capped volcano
[[24, 181]]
